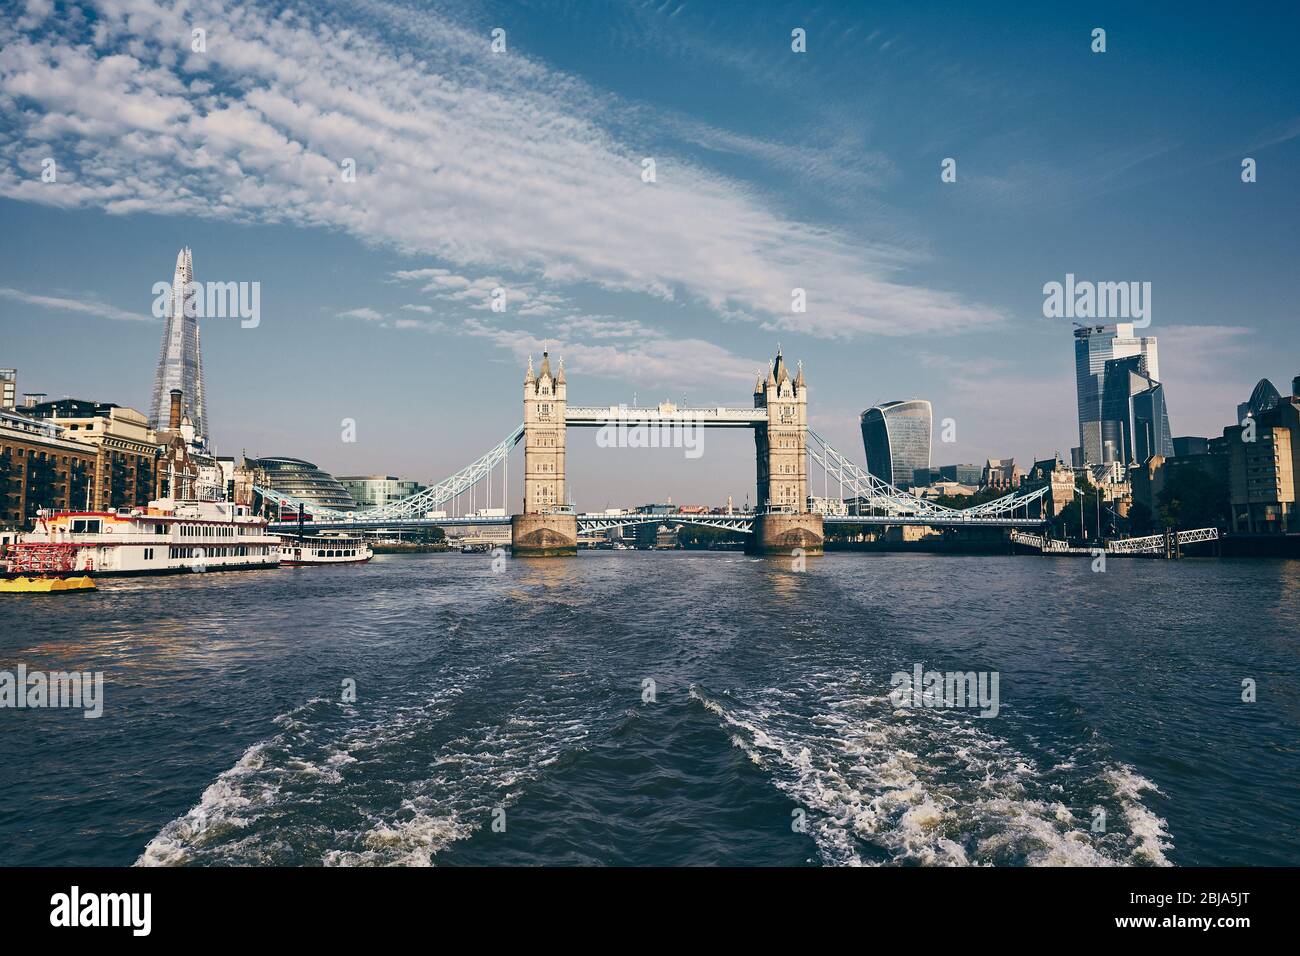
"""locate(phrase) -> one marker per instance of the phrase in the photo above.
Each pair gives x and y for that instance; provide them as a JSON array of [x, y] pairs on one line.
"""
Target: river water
[[663, 708]]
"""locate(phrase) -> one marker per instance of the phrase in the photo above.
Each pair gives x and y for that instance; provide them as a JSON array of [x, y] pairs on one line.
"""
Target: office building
[[961, 474], [1134, 423], [896, 439], [303, 480], [1262, 472], [1189, 446], [8, 389], [1264, 397], [180, 357], [1094, 346], [375, 491]]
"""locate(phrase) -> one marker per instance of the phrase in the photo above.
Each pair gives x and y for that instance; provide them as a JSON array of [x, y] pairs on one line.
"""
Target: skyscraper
[[180, 358], [896, 439], [1094, 346], [1134, 424]]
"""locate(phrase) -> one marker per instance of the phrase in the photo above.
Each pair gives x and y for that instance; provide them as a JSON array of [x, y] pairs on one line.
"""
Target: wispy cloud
[[486, 162], [80, 306]]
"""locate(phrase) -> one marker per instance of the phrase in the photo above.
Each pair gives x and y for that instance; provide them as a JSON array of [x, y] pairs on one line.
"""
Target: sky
[[524, 170]]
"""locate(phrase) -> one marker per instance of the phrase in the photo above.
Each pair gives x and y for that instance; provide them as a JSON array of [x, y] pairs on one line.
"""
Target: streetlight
[[1083, 535]]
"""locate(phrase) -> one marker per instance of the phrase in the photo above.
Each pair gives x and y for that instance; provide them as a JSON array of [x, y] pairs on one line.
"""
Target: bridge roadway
[[589, 523], [664, 414]]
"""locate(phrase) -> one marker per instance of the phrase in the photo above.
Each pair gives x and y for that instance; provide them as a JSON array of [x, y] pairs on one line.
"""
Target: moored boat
[[167, 537], [300, 550]]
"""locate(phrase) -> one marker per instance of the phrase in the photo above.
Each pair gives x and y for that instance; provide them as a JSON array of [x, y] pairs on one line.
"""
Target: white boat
[[167, 537], [323, 549]]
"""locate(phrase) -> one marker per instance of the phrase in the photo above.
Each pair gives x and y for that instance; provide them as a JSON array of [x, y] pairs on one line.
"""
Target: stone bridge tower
[[545, 398], [783, 445], [782, 452], [543, 529]]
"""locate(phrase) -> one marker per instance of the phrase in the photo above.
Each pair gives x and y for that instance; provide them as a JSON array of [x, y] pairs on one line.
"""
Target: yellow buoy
[[45, 585]]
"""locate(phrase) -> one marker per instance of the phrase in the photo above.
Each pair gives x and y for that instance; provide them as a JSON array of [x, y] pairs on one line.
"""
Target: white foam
[[926, 788]]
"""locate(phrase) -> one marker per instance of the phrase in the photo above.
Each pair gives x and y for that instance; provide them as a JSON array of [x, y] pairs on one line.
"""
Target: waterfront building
[[126, 450], [8, 389], [375, 491], [40, 468], [301, 479], [1094, 346], [1060, 477], [896, 440], [1262, 472], [180, 357], [1001, 474]]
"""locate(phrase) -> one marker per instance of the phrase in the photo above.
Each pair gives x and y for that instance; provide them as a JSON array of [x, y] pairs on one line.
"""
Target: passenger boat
[[166, 537], [51, 585], [296, 550]]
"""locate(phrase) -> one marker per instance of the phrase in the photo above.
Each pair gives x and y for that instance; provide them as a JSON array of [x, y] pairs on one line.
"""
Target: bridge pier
[[777, 533], [543, 535]]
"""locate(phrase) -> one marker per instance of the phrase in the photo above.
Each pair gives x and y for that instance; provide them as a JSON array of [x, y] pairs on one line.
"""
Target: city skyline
[[907, 296]]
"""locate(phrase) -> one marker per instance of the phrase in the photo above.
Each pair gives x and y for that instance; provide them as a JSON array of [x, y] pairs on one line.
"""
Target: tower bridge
[[784, 450]]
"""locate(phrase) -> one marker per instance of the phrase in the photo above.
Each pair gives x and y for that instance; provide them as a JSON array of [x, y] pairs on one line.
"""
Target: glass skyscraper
[[896, 439], [180, 358], [1094, 346], [1134, 423]]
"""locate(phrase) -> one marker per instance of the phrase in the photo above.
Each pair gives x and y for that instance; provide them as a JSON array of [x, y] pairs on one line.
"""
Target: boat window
[[85, 526]]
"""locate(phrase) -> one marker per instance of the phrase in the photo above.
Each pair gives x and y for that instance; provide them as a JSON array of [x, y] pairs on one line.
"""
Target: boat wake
[[880, 785], [341, 784]]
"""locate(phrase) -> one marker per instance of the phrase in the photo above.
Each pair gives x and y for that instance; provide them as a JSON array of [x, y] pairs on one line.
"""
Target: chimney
[[1295, 387], [174, 419]]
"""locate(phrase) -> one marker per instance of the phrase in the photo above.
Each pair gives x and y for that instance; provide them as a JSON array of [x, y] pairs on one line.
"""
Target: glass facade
[[180, 357], [302, 479], [375, 491], [896, 439], [1094, 346], [1135, 423]]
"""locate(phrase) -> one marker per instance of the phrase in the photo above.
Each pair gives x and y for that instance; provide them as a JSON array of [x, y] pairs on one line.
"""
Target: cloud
[[491, 163], [82, 307], [365, 314], [651, 357], [1195, 366]]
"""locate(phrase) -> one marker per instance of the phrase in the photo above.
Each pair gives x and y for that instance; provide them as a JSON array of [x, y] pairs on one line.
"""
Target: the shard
[[180, 359]]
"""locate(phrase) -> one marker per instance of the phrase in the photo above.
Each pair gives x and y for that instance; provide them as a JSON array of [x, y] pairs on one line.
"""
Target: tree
[[1193, 498]]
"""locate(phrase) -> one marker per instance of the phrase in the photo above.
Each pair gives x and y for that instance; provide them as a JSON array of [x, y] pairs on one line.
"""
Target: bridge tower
[[783, 522], [545, 528]]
